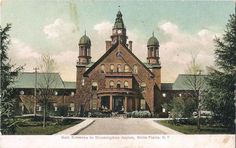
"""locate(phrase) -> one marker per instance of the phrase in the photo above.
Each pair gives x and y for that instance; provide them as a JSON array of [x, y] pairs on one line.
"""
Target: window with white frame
[[126, 68], [126, 84], [119, 69], [111, 84], [94, 86], [143, 86], [143, 104], [102, 68], [83, 82], [135, 69], [72, 107], [112, 67], [38, 107], [55, 106]]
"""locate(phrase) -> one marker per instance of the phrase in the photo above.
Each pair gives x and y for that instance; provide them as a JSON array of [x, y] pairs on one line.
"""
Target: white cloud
[[58, 29], [62, 35], [176, 51], [103, 28], [21, 53]]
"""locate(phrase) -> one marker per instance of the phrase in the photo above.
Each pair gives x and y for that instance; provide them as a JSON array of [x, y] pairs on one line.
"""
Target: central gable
[[119, 54]]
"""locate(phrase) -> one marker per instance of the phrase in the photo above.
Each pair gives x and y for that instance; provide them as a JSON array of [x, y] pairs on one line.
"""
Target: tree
[[195, 83], [221, 80], [8, 74], [46, 84]]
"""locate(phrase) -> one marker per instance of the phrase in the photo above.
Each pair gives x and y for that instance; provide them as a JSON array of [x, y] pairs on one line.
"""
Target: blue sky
[[55, 26]]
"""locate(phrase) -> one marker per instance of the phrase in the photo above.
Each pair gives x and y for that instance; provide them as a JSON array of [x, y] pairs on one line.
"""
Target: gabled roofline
[[100, 59], [107, 53]]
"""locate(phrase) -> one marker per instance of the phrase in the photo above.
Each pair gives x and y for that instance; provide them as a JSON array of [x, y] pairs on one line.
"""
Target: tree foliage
[[8, 74], [220, 93]]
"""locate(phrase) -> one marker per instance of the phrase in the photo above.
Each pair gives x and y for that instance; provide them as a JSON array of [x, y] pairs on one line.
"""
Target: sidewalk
[[77, 128]]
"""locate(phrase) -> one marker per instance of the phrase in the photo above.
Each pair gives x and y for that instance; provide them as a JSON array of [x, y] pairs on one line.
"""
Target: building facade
[[118, 80]]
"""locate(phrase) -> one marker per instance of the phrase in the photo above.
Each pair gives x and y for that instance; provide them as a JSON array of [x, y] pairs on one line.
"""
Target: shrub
[[62, 110], [163, 115], [141, 114]]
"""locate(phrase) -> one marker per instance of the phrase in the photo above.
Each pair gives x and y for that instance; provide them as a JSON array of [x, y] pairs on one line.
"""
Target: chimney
[[108, 45], [130, 45]]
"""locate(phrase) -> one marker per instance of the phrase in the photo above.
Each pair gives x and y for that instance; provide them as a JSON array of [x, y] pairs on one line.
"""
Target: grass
[[192, 129], [30, 127]]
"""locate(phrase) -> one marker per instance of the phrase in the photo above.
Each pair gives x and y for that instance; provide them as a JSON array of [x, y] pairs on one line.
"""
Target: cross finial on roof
[[119, 7], [85, 32], [153, 33]]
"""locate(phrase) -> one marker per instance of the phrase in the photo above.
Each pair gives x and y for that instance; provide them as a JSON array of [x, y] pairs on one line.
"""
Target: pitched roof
[[166, 86], [186, 81], [27, 80], [70, 85], [108, 52]]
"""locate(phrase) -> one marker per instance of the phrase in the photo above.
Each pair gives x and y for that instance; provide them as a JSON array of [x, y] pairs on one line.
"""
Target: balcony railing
[[118, 74], [127, 91]]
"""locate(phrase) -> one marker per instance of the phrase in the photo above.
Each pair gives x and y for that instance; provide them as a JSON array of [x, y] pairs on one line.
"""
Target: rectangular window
[[55, 106], [143, 104], [72, 107]]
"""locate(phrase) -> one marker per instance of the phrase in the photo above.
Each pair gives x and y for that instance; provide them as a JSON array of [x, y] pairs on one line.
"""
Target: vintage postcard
[[120, 73]]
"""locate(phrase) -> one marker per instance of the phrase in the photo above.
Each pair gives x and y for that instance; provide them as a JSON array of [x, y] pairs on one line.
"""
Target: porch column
[[99, 102], [110, 102], [125, 104]]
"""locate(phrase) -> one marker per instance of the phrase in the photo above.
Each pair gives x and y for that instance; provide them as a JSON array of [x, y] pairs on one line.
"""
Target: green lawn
[[30, 127], [192, 129]]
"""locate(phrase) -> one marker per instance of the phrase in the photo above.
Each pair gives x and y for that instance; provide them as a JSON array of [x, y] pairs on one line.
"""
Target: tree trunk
[[198, 118], [44, 115]]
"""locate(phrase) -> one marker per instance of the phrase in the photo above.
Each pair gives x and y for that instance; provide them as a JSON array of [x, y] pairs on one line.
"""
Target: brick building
[[118, 79]]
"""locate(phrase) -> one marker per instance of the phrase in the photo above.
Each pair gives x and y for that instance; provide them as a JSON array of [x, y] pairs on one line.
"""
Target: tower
[[153, 58], [84, 59], [84, 50], [119, 30], [119, 33], [153, 50]]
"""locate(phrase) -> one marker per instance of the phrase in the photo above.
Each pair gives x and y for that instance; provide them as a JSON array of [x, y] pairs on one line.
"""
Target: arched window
[[119, 68], [126, 68], [118, 85], [112, 67], [83, 82], [94, 86], [143, 86], [135, 69], [102, 68], [126, 84], [111, 84]]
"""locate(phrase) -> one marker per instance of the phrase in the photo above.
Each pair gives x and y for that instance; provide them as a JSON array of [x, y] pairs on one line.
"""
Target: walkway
[[114, 126]]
